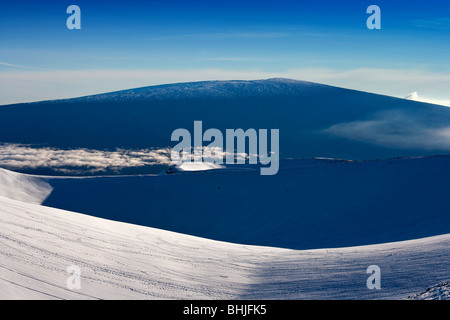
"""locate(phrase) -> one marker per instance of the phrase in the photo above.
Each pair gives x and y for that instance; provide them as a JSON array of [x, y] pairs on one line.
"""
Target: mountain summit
[[220, 89]]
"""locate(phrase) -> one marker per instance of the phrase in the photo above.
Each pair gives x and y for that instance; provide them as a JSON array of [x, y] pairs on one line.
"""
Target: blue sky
[[124, 44]]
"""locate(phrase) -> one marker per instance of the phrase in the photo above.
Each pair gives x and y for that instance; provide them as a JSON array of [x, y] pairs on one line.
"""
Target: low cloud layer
[[16, 156], [395, 129]]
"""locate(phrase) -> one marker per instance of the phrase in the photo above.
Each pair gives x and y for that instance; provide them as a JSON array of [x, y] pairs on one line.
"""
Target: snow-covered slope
[[310, 203], [123, 261]]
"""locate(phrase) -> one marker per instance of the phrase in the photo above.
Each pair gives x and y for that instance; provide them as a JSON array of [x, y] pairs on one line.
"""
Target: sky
[[127, 44]]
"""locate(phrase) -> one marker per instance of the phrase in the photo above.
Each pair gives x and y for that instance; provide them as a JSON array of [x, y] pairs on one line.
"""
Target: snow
[[198, 166], [440, 291], [124, 261], [23, 187]]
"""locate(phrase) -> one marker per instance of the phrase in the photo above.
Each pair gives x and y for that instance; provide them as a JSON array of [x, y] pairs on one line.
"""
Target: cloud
[[227, 59], [412, 96], [415, 96], [224, 35], [16, 156], [395, 129], [435, 23], [11, 65]]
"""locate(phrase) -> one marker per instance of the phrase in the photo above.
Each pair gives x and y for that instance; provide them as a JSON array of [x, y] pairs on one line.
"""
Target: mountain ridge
[[183, 90], [179, 88]]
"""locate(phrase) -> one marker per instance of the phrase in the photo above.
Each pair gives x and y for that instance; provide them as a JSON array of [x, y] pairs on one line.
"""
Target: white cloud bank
[[26, 86], [396, 130], [16, 156]]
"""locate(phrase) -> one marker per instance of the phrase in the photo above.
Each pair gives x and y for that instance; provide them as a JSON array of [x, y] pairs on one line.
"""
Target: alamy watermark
[[74, 20], [235, 150], [374, 20], [74, 279], [374, 280]]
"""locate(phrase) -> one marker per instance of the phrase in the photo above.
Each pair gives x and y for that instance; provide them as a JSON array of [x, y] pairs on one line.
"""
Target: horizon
[[125, 45]]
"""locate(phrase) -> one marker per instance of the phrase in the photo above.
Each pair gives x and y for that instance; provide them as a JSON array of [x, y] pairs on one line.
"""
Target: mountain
[[314, 120]]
